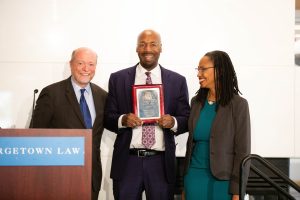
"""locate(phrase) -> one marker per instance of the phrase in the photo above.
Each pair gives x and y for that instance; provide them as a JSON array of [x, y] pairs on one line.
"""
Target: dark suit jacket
[[57, 107], [229, 139], [119, 102]]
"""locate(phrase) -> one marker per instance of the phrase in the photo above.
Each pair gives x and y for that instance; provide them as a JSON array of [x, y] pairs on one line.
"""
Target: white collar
[[140, 71], [77, 87]]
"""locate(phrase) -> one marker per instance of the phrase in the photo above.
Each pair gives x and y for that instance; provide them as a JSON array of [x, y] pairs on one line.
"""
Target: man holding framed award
[[147, 106]]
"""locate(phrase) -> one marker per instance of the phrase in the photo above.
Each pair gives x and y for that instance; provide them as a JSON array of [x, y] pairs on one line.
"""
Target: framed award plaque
[[148, 102]]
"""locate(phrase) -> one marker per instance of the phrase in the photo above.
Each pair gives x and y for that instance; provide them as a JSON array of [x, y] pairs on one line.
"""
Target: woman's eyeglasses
[[203, 69]]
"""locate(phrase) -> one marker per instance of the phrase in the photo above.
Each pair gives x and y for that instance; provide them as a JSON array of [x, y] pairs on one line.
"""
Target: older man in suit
[[76, 103], [136, 165]]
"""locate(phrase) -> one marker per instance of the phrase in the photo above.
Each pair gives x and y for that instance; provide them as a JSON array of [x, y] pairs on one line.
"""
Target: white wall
[[37, 38]]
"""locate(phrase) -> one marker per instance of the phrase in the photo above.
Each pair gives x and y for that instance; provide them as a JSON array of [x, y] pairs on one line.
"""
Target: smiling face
[[206, 73], [83, 66], [148, 49]]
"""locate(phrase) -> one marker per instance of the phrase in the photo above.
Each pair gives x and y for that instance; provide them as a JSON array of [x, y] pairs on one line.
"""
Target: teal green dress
[[199, 183]]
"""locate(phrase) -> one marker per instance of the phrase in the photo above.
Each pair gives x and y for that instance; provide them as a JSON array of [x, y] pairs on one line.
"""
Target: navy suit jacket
[[119, 101]]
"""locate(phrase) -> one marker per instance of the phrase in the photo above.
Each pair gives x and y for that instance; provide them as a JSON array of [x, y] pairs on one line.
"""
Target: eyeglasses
[[202, 69]]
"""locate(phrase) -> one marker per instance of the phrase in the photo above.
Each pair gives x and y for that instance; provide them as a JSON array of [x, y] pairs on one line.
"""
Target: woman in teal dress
[[219, 132]]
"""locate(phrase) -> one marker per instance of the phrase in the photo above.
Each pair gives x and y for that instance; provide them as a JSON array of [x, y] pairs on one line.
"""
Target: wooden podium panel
[[47, 182]]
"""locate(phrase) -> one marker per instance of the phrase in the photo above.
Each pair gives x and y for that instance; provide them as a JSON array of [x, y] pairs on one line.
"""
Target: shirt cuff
[[120, 122], [174, 128]]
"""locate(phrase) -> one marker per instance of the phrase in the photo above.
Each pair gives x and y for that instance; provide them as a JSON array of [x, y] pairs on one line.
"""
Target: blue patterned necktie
[[148, 130], [85, 110]]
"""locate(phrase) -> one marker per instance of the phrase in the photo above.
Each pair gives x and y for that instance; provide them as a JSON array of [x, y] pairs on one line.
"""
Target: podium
[[50, 169]]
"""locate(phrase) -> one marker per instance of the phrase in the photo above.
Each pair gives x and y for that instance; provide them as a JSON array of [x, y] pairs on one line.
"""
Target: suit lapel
[[219, 116], [167, 88], [196, 114], [97, 103], [129, 81], [73, 100]]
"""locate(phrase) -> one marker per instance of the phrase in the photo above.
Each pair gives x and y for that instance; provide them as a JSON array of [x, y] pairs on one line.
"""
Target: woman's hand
[[235, 197]]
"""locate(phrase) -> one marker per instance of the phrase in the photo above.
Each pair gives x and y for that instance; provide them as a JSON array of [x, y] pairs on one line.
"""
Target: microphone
[[33, 104]]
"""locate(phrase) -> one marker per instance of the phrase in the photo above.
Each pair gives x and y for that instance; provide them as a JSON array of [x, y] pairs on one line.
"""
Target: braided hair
[[226, 84]]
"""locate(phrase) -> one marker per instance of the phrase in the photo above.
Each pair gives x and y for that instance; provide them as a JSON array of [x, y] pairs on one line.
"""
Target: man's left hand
[[166, 121]]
